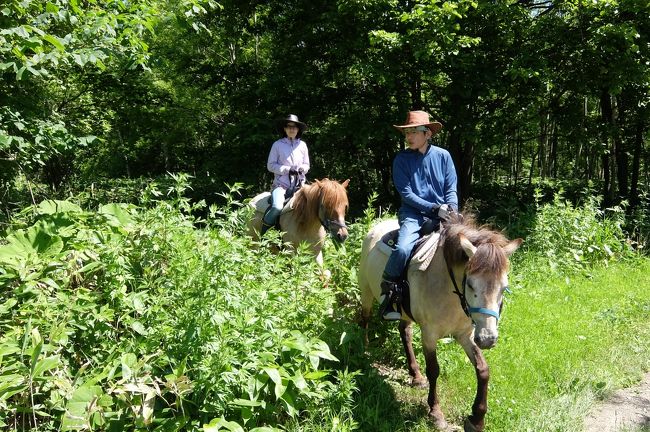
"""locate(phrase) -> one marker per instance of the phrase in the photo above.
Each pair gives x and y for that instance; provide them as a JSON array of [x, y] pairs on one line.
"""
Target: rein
[[463, 299]]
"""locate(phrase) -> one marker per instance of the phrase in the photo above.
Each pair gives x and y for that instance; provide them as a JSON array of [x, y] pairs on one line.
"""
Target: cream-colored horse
[[459, 294], [315, 210]]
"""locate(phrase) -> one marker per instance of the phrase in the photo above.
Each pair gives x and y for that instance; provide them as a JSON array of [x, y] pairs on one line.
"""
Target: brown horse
[[460, 294], [315, 210]]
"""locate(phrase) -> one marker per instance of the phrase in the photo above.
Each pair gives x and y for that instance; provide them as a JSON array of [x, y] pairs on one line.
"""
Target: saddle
[[424, 248], [421, 256], [262, 202]]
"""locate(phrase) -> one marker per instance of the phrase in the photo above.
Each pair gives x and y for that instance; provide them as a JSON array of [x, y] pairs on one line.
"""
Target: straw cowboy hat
[[291, 118], [419, 118]]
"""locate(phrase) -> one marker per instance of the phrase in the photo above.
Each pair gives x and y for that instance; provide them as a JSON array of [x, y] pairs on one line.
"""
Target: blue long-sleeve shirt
[[425, 180]]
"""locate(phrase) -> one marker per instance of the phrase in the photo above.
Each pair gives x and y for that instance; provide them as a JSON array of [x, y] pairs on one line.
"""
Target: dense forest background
[[132, 133], [530, 92]]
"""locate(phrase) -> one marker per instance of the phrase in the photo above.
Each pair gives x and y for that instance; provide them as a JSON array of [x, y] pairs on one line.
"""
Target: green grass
[[565, 343]]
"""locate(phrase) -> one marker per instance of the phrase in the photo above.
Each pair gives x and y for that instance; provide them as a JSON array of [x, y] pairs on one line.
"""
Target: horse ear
[[345, 183], [467, 246], [511, 247]]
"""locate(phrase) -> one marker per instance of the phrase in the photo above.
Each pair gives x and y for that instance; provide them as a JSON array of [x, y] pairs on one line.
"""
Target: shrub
[[578, 237]]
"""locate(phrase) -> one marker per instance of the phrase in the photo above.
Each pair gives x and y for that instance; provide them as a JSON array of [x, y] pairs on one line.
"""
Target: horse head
[[332, 207], [484, 254]]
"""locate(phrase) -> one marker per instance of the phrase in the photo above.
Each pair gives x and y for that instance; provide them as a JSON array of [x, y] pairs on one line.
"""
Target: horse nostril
[[486, 342]]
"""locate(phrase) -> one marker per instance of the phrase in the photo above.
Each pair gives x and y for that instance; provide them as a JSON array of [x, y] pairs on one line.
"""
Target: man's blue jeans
[[408, 234]]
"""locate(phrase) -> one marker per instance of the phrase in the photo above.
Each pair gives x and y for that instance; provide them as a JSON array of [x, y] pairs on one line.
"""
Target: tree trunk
[[636, 163], [552, 164], [607, 117], [620, 153], [463, 155]]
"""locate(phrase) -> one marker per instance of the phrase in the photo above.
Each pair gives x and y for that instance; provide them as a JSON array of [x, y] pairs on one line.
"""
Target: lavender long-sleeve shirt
[[286, 154]]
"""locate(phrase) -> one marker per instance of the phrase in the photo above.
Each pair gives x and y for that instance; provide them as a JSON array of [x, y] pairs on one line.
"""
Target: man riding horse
[[425, 178]]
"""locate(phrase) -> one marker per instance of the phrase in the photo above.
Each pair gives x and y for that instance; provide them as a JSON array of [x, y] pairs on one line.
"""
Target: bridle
[[327, 223], [463, 298]]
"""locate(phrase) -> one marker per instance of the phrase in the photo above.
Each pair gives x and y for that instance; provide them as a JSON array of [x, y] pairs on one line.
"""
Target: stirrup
[[389, 301], [265, 228], [390, 312]]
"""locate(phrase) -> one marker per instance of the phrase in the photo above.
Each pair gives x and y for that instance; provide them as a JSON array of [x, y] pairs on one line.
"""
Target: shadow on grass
[[385, 401]]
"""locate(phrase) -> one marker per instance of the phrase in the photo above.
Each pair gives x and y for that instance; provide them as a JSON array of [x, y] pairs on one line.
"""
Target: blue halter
[[463, 299]]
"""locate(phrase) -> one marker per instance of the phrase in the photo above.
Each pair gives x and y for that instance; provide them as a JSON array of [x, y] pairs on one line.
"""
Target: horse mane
[[489, 256], [331, 193]]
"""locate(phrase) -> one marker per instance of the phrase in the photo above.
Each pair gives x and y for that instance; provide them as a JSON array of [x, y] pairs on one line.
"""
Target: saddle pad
[[262, 201], [423, 251]]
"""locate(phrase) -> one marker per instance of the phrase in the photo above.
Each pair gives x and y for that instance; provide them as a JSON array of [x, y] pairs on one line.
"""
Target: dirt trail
[[627, 410]]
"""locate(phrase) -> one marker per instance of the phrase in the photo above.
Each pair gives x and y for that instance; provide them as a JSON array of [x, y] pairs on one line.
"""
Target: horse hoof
[[439, 421], [469, 427], [441, 425], [420, 382]]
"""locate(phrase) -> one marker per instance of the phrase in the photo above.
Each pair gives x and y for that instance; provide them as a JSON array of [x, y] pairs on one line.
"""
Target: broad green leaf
[[219, 424], [117, 213], [299, 381], [316, 375], [139, 328], [45, 365], [128, 363], [90, 267], [322, 350], [23, 244], [274, 374], [279, 390], [57, 206], [51, 8], [75, 7], [54, 41], [11, 385], [290, 403], [77, 410], [37, 347], [246, 402], [19, 73], [4, 308]]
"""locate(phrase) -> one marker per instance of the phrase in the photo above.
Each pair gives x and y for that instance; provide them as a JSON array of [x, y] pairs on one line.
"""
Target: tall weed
[[131, 317], [578, 237]]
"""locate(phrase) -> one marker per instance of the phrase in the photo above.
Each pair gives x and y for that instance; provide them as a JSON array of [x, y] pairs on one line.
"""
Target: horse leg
[[433, 371], [406, 334], [367, 301], [476, 421]]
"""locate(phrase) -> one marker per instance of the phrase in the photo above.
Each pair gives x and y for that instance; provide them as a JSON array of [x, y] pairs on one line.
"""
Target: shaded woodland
[[530, 92]]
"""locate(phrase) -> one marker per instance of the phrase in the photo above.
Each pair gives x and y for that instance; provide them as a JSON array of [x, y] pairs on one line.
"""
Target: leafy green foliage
[[39, 37], [579, 237], [131, 317], [147, 321]]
